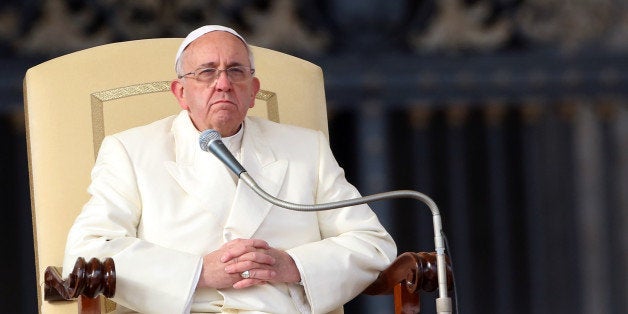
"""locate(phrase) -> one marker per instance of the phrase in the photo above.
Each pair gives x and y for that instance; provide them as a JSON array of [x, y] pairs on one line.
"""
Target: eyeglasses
[[235, 74]]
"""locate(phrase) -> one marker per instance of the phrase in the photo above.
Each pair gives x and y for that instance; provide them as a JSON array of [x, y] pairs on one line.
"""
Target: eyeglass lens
[[234, 74]]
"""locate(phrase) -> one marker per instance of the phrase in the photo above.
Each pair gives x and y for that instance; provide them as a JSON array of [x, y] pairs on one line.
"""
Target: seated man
[[187, 236]]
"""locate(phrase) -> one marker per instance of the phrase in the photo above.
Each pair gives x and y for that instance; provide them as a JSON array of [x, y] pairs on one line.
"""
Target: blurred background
[[511, 114]]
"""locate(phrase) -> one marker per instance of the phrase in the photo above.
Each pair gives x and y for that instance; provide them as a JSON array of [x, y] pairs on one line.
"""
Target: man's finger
[[237, 247]]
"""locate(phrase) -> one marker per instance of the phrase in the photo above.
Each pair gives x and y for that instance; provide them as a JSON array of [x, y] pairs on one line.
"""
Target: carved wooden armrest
[[87, 279], [408, 275]]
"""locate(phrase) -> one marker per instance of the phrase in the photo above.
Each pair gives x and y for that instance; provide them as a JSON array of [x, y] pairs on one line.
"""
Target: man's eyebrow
[[207, 65], [214, 65]]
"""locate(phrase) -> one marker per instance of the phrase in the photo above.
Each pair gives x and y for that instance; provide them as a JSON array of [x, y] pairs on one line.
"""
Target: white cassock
[[159, 203]]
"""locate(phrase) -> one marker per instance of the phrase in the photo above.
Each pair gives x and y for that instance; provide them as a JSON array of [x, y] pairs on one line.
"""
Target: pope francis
[[187, 236]]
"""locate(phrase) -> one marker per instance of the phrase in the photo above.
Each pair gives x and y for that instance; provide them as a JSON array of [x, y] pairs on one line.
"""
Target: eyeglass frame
[[218, 71]]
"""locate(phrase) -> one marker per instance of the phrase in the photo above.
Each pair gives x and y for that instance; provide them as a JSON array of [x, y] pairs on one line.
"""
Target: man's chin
[[227, 128]]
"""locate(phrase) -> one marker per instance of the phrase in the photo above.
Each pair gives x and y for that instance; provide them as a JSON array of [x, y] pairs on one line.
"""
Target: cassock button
[[228, 236]]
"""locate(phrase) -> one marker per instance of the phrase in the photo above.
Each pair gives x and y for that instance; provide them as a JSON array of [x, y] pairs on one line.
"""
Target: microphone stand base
[[443, 305]]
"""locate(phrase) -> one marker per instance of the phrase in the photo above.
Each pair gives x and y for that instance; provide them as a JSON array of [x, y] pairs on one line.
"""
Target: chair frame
[[406, 277]]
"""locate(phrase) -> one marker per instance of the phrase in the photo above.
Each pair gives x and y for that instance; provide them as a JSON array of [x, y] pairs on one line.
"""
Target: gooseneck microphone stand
[[210, 140]]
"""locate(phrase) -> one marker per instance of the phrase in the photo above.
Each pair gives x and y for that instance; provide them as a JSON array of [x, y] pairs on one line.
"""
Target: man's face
[[220, 105]]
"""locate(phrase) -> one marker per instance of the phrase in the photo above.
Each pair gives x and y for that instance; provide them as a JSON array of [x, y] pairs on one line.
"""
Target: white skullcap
[[195, 34]]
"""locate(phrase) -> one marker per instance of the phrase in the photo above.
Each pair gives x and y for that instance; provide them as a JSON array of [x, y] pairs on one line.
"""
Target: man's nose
[[222, 81]]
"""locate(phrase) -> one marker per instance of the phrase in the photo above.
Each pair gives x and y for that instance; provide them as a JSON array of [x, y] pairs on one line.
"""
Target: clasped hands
[[223, 268]]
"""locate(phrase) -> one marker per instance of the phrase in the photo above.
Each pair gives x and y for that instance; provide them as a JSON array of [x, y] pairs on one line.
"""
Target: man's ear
[[176, 87], [255, 89]]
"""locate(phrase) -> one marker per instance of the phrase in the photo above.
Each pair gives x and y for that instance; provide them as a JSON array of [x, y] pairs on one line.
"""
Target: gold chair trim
[[98, 99]]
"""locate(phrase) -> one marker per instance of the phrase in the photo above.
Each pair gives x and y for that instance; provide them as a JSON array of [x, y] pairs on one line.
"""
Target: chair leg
[[88, 305], [405, 301]]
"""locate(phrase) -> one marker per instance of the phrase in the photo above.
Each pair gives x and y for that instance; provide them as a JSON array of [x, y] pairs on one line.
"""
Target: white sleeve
[[354, 248], [107, 227]]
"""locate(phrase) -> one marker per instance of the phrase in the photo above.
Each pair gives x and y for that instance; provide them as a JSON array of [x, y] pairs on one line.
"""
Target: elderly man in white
[[187, 236]]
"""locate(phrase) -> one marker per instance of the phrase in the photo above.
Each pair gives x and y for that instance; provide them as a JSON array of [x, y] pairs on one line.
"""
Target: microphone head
[[207, 137]]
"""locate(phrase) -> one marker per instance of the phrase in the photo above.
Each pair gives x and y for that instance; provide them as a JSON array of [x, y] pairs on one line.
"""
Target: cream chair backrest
[[73, 101]]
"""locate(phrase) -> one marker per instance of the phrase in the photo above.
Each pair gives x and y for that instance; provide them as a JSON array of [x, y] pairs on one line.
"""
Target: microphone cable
[[453, 277]]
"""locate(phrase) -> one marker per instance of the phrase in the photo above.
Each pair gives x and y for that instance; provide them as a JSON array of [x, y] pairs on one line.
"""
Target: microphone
[[210, 141]]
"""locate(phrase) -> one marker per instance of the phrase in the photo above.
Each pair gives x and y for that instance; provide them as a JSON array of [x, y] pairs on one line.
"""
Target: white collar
[[234, 142]]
